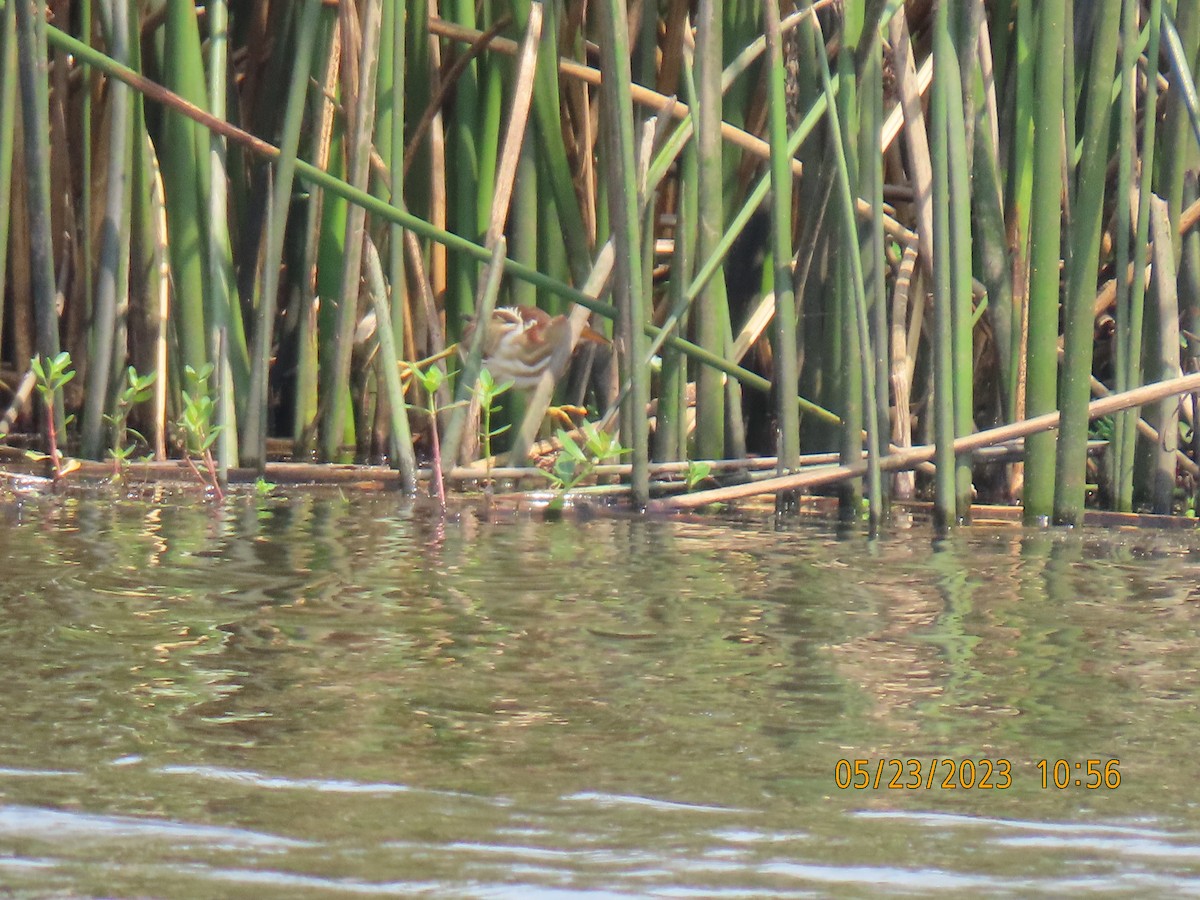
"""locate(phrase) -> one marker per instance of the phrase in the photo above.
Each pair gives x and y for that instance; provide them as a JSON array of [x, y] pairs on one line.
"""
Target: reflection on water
[[330, 695]]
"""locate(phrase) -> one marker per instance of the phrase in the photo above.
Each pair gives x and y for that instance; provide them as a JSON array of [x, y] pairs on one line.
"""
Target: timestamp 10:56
[[1092, 774]]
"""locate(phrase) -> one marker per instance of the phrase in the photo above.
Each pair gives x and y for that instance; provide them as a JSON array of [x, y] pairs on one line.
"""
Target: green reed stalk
[[1070, 105], [254, 442], [995, 260], [552, 256], [848, 361], [945, 74], [462, 177], [141, 320], [1086, 221], [114, 247], [553, 155], [227, 340], [390, 138], [787, 370], [1189, 291], [1045, 243], [967, 43], [1181, 45], [1130, 330], [858, 308], [1126, 156], [1163, 357], [1180, 41], [331, 261], [334, 421], [622, 191], [31, 50], [389, 365], [85, 142], [308, 331], [8, 121], [183, 177], [152, 257], [962, 318], [1020, 194], [707, 108], [418, 90], [740, 28], [487, 132], [1176, 154], [671, 429], [523, 224], [872, 235]]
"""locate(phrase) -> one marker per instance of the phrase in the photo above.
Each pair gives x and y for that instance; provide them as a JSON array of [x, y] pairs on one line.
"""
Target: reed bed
[[874, 228]]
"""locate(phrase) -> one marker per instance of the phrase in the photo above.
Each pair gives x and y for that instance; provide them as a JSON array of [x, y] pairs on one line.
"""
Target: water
[[335, 696]]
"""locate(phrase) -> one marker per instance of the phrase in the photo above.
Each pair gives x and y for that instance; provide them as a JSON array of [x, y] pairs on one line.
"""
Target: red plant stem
[[437, 461], [214, 481], [52, 440], [187, 458]]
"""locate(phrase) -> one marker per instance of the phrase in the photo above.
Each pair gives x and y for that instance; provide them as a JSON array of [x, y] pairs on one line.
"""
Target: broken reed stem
[[907, 458]]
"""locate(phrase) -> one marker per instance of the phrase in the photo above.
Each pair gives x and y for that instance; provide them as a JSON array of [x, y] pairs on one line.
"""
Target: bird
[[522, 342]]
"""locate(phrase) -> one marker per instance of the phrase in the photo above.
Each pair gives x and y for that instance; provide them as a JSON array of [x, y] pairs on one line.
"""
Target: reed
[[8, 121], [729, 192], [1045, 255], [1086, 224], [31, 57]]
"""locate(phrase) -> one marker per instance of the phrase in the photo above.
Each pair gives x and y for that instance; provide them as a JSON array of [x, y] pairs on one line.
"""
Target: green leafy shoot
[[431, 379], [696, 472], [50, 376], [486, 392], [576, 463], [138, 389], [198, 427]]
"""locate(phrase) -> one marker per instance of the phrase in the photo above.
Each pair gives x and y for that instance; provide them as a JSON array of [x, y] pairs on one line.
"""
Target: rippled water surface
[[326, 695]]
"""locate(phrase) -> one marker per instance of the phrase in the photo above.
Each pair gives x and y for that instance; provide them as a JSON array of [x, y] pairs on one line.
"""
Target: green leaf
[[570, 448], [696, 473]]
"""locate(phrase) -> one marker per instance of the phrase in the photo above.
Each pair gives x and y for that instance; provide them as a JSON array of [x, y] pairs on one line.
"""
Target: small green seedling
[[138, 389], [198, 426], [51, 376], [576, 463], [695, 473], [486, 391], [431, 379]]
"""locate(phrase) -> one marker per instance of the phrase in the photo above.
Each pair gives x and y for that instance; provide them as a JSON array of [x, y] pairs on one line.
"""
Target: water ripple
[[619, 800], [57, 825], [276, 782]]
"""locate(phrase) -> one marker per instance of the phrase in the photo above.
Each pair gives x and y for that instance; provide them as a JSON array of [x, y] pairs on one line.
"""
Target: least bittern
[[523, 342], [520, 344]]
